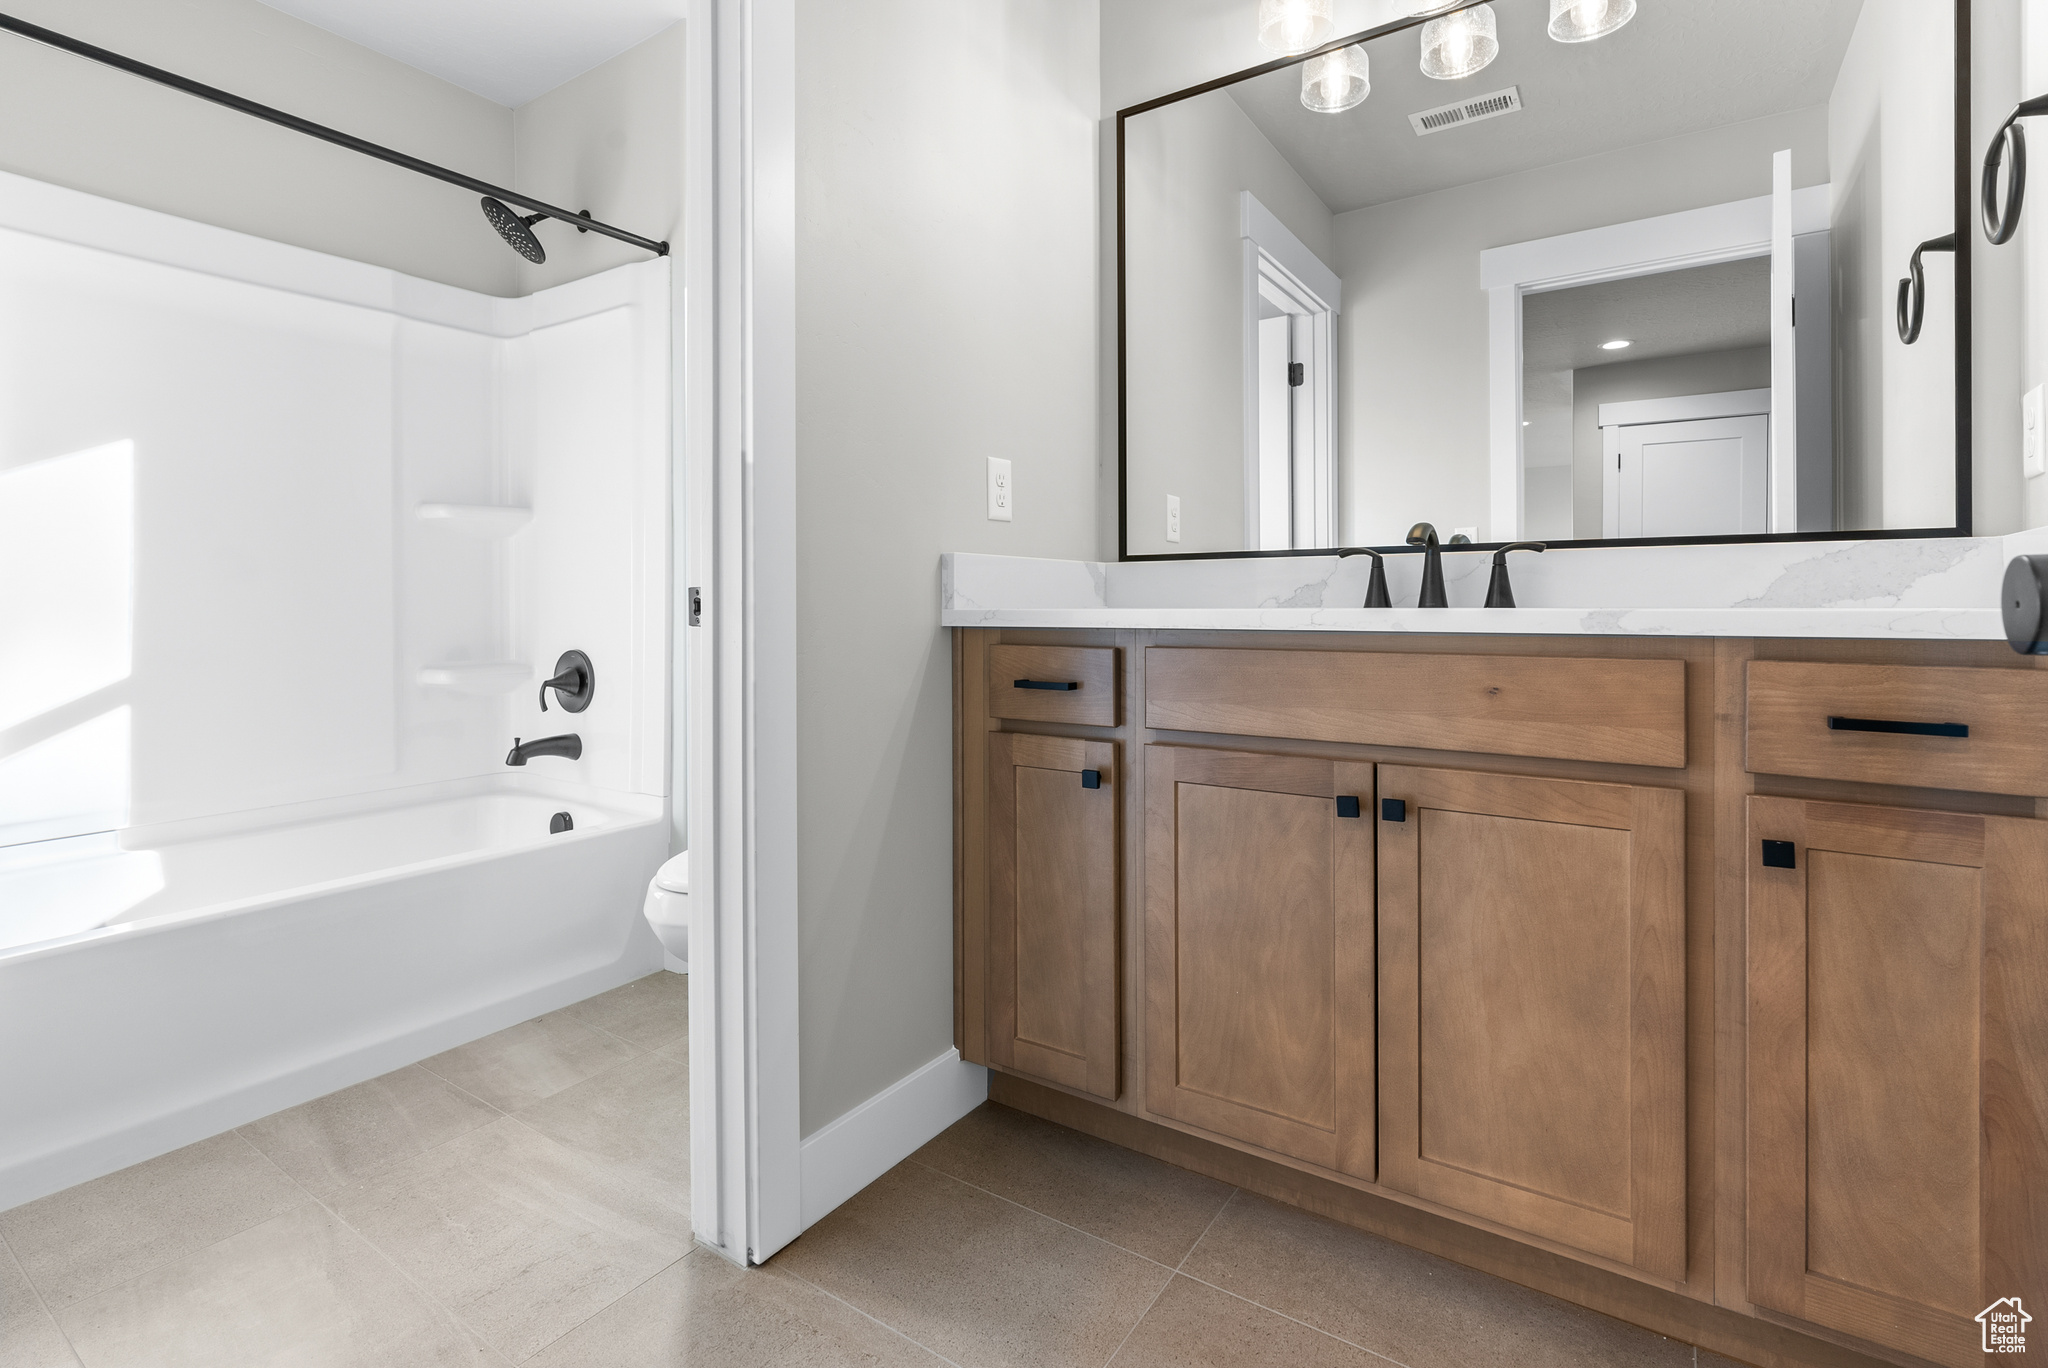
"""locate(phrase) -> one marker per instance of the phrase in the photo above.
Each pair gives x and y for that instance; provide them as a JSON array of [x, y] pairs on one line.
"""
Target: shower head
[[516, 230]]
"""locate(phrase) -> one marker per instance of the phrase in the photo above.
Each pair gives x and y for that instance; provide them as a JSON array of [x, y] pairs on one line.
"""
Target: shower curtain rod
[[312, 130]]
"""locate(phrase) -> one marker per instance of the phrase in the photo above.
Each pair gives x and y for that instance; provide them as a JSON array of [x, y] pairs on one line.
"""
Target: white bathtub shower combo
[[287, 545]]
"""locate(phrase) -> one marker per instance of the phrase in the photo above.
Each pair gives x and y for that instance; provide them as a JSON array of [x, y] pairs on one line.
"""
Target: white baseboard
[[885, 1130]]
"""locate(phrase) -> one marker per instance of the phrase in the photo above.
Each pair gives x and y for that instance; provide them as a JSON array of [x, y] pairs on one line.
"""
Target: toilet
[[668, 911]]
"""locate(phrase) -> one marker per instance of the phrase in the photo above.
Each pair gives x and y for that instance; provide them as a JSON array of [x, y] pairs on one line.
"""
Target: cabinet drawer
[[1621, 711], [1985, 731], [1053, 684]]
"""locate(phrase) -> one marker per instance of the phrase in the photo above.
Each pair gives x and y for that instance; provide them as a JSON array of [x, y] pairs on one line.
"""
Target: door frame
[[1734, 231], [1277, 263], [737, 534]]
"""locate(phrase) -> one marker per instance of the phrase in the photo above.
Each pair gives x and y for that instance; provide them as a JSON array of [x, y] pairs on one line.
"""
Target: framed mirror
[[1476, 268]]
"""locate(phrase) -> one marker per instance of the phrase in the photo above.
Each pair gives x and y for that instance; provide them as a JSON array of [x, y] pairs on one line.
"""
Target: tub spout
[[569, 747]]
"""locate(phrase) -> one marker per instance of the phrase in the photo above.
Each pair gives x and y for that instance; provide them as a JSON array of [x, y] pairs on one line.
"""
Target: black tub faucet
[[1424, 536], [568, 746], [1499, 593]]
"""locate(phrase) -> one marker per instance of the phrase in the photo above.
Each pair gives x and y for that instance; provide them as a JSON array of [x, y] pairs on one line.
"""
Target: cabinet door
[[1052, 942], [1258, 950], [1898, 1070], [1532, 1006]]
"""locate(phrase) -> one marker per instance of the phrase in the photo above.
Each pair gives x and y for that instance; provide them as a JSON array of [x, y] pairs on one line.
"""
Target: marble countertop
[[1911, 589]]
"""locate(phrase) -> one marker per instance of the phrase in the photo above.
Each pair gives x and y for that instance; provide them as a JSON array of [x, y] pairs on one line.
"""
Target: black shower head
[[516, 230]]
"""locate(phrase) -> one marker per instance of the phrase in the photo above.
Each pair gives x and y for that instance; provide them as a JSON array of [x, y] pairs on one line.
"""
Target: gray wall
[[1663, 377], [610, 141], [1412, 339], [1186, 165], [946, 311], [75, 123]]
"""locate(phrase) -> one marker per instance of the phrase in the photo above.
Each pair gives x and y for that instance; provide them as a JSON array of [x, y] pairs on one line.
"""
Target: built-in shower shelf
[[477, 677], [483, 521]]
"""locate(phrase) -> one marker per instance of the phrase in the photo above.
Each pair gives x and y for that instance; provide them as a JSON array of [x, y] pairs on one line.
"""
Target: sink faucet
[[569, 747], [1424, 536]]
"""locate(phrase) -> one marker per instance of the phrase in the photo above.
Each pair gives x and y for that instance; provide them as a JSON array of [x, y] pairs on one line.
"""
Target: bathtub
[[164, 984]]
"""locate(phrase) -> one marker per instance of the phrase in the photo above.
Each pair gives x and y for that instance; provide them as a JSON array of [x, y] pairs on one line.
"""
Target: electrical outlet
[[1000, 490], [2036, 446], [1471, 533], [1173, 517]]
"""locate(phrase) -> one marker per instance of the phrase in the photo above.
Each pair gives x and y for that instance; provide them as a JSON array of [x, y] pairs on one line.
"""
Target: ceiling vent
[[1457, 115]]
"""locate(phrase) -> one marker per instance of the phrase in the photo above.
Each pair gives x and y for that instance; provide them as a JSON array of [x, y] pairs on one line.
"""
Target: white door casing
[[1283, 278]]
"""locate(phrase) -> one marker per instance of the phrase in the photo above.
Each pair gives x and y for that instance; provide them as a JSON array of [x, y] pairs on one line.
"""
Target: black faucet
[[1424, 536], [569, 747], [1499, 593], [1376, 595]]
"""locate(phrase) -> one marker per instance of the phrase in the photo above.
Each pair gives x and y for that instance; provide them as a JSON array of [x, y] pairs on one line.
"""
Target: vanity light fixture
[[1618, 344], [1291, 26], [1337, 81], [1581, 21], [1459, 44]]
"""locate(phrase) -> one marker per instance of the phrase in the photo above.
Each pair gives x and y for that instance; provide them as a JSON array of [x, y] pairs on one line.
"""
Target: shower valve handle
[[571, 680], [574, 681]]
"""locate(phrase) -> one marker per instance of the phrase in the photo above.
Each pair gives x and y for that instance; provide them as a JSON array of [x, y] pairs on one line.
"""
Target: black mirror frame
[[1964, 229]]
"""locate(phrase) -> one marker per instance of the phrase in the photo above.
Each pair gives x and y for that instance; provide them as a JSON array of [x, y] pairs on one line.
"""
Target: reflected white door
[[1703, 478], [1276, 435]]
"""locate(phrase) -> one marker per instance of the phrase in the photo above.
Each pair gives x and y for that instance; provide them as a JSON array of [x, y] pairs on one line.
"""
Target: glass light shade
[[1459, 44], [1291, 26], [1581, 21], [1337, 81], [1416, 11]]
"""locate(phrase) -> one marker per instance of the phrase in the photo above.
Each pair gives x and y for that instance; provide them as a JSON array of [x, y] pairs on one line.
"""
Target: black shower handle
[[572, 680], [2001, 224], [1913, 289]]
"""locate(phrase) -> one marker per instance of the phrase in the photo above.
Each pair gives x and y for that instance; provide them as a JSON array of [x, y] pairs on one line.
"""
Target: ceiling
[[504, 50], [1672, 313], [1680, 66]]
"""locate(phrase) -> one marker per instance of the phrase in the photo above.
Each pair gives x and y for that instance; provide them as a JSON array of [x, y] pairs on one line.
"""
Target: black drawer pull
[[1780, 855], [1091, 779], [1067, 686], [1871, 724], [1393, 809], [1347, 806]]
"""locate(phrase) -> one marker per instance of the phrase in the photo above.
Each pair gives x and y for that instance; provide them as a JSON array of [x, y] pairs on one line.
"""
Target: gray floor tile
[[522, 1237], [29, 1337], [650, 1012], [1420, 1310], [976, 1279], [522, 1064], [702, 1312], [299, 1290], [635, 1117], [1195, 1326], [337, 1139], [1130, 1199], [88, 1238]]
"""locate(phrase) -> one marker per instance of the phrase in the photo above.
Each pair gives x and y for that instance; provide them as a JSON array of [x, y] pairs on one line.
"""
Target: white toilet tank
[[668, 910]]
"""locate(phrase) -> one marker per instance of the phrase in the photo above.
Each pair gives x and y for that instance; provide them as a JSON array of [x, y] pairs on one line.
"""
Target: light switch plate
[[2036, 446], [1001, 489], [1173, 517]]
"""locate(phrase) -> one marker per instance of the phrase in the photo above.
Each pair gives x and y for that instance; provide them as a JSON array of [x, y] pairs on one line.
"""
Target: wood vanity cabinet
[[1701, 982], [1898, 1069], [1532, 1006], [1052, 923], [1259, 950]]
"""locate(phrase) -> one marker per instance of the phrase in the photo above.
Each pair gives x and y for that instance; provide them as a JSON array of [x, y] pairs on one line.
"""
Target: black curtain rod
[[320, 131]]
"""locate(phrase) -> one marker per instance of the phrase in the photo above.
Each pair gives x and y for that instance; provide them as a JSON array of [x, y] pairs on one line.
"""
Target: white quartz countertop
[[1909, 589]]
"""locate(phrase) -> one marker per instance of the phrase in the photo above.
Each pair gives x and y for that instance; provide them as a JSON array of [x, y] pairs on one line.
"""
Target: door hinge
[[696, 605], [1297, 373]]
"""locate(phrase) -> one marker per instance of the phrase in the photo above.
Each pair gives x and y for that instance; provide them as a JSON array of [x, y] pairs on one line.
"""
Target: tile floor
[[524, 1199]]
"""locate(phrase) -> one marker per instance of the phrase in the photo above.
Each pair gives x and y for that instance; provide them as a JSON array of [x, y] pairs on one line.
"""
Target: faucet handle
[[1376, 595], [1499, 593]]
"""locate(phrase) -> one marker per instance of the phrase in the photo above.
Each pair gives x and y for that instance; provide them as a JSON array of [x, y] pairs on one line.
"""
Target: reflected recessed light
[[1618, 344]]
